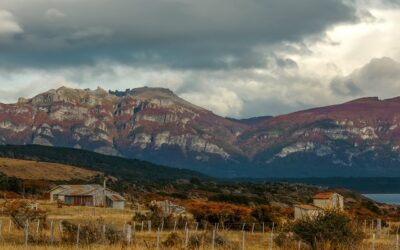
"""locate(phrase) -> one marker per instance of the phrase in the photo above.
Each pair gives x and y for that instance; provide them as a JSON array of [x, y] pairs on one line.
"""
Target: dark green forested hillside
[[126, 169]]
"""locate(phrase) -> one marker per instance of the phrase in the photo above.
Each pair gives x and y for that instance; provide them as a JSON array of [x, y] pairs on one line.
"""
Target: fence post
[[37, 226], [175, 226], [162, 225], [104, 231], [9, 226], [397, 241], [373, 241], [26, 232], [244, 224], [197, 226], [186, 225], [378, 228], [77, 235], [158, 239], [213, 239], [299, 245], [142, 226], [61, 229], [372, 226], [272, 235], [187, 238], [252, 228], [365, 226], [149, 225], [128, 234], [243, 240], [51, 233]]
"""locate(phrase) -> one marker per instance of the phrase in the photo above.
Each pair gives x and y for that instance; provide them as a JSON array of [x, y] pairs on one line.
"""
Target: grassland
[[14, 239], [34, 170]]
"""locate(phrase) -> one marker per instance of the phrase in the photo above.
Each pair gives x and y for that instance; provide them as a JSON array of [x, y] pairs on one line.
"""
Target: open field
[[141, 238], [34, 170]]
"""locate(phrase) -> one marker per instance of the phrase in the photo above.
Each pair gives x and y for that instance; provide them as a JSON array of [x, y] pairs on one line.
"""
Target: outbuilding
[[305, 210], [87, 195]]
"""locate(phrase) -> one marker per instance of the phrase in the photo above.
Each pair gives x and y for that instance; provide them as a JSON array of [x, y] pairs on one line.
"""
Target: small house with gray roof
[[87, 195]]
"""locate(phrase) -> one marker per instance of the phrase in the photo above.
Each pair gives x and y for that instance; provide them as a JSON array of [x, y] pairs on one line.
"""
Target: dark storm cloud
[[188, 34]]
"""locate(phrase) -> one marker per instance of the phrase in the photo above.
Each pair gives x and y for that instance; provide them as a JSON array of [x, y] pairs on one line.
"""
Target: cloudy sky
[[239, 58]]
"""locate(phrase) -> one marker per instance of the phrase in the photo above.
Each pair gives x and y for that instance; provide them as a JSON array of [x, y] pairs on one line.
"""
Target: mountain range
[[357, 138]]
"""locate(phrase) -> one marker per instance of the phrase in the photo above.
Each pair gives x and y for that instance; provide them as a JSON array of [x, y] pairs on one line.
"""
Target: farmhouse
[[329, 200], [87, 195], [321, 201]]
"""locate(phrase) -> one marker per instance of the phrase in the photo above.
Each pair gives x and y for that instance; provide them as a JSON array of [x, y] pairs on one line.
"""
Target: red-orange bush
[[216, 212]]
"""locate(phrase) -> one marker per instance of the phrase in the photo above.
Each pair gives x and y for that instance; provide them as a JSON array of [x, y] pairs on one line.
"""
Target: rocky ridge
[[361, 137]]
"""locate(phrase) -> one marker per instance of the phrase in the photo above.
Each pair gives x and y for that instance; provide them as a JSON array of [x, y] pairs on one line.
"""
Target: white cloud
[[380, 77], [313, 71], [53, 13], [30, 83], [8, 24], [220, 100]]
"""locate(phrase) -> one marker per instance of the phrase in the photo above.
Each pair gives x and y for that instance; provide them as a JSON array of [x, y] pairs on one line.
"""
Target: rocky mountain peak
[[71, 96], [353, 138], [158, 96], [366, 100]]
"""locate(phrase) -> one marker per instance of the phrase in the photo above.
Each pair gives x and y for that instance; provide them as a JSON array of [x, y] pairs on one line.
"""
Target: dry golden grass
[[33, 170], [13, 238]]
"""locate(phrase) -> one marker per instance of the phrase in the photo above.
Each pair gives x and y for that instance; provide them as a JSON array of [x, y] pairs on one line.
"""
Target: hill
[[360, 138], [36, 170], [72, 159]]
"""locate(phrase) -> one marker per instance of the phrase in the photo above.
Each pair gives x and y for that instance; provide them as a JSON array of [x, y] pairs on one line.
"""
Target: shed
[[115, 201], [305, 210], [169, 207], [87, 195]]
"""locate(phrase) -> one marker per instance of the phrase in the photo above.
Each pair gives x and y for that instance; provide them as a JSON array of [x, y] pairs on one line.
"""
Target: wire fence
[[54, 232], [244, 235]]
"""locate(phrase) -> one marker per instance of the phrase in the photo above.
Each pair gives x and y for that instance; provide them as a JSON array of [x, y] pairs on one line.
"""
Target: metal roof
[[114, 197], [88, 190], [80, 189]]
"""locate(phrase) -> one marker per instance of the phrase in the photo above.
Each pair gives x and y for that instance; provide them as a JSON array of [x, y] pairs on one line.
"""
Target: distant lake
[[385, 198]]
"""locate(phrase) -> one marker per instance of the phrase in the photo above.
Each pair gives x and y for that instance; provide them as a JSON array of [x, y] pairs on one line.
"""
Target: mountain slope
[[90, 162], [34, 170], [358, 138]]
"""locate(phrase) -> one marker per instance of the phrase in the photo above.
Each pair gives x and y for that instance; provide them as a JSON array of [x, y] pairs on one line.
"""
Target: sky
[[238, 58]]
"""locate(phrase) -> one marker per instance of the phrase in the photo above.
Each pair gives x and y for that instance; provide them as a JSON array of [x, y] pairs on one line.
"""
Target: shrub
[[230, 198], [21, 212], [331, 228], [172, 240], [223, 213], [90, 232], [264, 214]]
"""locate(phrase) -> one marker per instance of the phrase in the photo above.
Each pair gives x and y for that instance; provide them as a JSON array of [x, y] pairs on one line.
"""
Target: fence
[[137, 233], [242, 236]]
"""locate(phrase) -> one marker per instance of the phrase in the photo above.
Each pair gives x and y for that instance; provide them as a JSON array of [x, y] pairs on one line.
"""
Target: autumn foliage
[[218, 212]]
